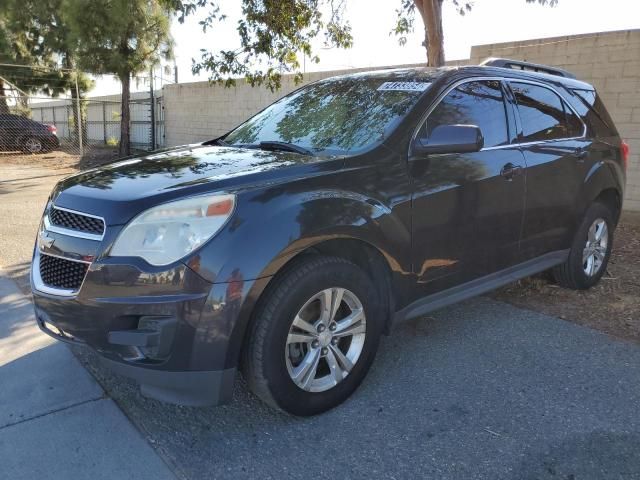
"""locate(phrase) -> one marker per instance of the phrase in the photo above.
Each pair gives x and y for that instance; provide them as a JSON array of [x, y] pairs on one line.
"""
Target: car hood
[[123, 189]]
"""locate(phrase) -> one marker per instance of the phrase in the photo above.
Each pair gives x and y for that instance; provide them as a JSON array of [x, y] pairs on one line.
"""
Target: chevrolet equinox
[[286, 247]]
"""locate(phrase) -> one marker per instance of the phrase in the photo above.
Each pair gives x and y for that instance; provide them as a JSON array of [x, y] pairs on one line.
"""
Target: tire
[[572, 274], [270, 357], [33, 145]]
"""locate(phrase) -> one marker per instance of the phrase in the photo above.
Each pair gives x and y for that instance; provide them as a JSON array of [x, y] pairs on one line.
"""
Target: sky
[[490, 21]]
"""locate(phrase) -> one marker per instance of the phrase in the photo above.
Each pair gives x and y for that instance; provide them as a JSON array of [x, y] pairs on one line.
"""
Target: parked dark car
[[24, 134], [288, 246]]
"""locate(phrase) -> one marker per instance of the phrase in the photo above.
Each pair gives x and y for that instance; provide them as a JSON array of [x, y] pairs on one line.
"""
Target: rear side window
[[544, 115], [475, 103], [574, 124], [591, 108]]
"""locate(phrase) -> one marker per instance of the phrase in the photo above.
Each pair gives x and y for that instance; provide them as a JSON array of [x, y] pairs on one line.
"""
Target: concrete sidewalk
[[55, 420]]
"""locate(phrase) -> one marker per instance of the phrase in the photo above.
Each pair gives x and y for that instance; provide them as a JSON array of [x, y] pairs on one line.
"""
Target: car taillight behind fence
[[625, 154], [52, 129]]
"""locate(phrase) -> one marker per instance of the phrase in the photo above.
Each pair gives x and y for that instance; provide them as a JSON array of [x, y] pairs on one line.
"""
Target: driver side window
[[479, 103]]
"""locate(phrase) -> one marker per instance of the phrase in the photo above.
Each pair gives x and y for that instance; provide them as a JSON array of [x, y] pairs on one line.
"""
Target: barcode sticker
[[404, 86]]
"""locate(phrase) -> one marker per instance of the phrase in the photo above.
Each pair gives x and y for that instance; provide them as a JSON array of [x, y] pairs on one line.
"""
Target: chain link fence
[[82, 132]]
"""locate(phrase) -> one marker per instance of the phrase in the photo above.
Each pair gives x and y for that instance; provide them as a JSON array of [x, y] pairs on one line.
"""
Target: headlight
[[168, 232]]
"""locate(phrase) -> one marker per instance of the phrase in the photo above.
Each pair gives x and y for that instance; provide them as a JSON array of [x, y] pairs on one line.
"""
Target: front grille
[[60, 273], [76, 221]]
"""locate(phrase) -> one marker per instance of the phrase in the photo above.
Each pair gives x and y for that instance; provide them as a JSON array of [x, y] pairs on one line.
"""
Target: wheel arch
[[603, 184], [360, 252], [611, 198]]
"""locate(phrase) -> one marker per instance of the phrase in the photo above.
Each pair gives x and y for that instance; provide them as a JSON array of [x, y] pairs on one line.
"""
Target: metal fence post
[[79, 126], [68, 123], [104, 122], [153, 110]]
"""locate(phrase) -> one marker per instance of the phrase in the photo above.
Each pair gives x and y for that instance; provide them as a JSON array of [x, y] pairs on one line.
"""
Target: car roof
[[529, 75], [430, 74], [415, 74]]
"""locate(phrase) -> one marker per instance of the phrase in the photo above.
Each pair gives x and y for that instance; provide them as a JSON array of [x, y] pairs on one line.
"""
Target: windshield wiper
[[217, 141], [284, 146]]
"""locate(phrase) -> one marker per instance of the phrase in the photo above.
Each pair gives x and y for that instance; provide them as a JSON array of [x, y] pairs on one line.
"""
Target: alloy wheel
[[325, 339], [595, 249]]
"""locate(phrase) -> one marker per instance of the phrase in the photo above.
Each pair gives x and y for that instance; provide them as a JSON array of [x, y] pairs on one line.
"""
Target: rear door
[[552, 138], [468, 208]]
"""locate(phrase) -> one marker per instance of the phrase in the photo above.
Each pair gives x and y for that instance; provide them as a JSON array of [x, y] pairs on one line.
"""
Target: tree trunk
[[125, 143], [431, 13], [4, 106]]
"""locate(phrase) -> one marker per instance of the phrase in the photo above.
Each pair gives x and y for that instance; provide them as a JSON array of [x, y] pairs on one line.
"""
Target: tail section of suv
[[285, 248]]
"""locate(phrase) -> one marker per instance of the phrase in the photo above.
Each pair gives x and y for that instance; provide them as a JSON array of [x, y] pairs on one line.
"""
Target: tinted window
[[333, 117], [541, 112], [474, 103], [590, 106], [574, 125]]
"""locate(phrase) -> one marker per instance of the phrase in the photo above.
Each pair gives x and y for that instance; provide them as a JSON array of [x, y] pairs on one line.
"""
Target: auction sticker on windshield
[[404, 86]]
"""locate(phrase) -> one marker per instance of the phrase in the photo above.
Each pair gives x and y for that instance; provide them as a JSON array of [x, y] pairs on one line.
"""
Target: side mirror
[[449, 139]]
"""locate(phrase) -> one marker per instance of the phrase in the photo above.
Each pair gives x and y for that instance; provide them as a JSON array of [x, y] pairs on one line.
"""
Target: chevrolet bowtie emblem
[[46, 240]]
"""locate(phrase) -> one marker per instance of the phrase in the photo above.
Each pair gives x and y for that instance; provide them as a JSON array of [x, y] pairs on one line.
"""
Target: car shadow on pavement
[[479, 390], [19, 273]]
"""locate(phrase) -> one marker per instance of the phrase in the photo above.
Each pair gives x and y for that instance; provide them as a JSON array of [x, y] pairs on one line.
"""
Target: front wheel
[[590, 251], [314, 337]]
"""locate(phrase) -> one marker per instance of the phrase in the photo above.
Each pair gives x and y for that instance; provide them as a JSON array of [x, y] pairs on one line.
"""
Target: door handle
[[510, 170], [581, 154]]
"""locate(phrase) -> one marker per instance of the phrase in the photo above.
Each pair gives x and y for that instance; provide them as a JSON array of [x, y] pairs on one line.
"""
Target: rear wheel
[[314, 337], [590, 251], [33, 145]]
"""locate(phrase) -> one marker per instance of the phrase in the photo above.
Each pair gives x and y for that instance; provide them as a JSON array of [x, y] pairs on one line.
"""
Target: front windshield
[[339, 116]]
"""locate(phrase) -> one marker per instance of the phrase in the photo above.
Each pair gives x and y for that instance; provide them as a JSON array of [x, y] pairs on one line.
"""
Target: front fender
[[272, 226]]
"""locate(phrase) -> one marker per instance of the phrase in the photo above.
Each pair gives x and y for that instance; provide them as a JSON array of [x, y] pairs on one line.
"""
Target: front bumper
[[171, 331]]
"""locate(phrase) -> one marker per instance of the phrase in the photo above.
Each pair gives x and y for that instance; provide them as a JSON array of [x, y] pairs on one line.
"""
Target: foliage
[[405, 15], [274, 34], [33, 33], [120, 37]]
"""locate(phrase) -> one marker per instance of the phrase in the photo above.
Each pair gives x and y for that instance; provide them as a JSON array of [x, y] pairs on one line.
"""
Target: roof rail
[[526, 66]]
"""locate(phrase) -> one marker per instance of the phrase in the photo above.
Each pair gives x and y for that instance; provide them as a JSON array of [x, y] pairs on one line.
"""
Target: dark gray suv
[[285, 248]]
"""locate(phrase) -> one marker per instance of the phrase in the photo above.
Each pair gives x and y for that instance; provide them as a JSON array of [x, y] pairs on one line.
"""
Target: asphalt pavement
[[24, 190], [481, 390]]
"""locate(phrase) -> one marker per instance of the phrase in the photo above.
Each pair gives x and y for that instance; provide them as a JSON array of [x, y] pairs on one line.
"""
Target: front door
[[468, 208]]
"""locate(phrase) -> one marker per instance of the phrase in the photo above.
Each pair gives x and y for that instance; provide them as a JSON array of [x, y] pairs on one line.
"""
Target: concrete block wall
[[611, 61]]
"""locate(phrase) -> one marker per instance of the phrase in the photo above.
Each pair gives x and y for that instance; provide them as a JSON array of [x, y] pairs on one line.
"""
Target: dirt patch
[[612, 306], [62, 159]]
